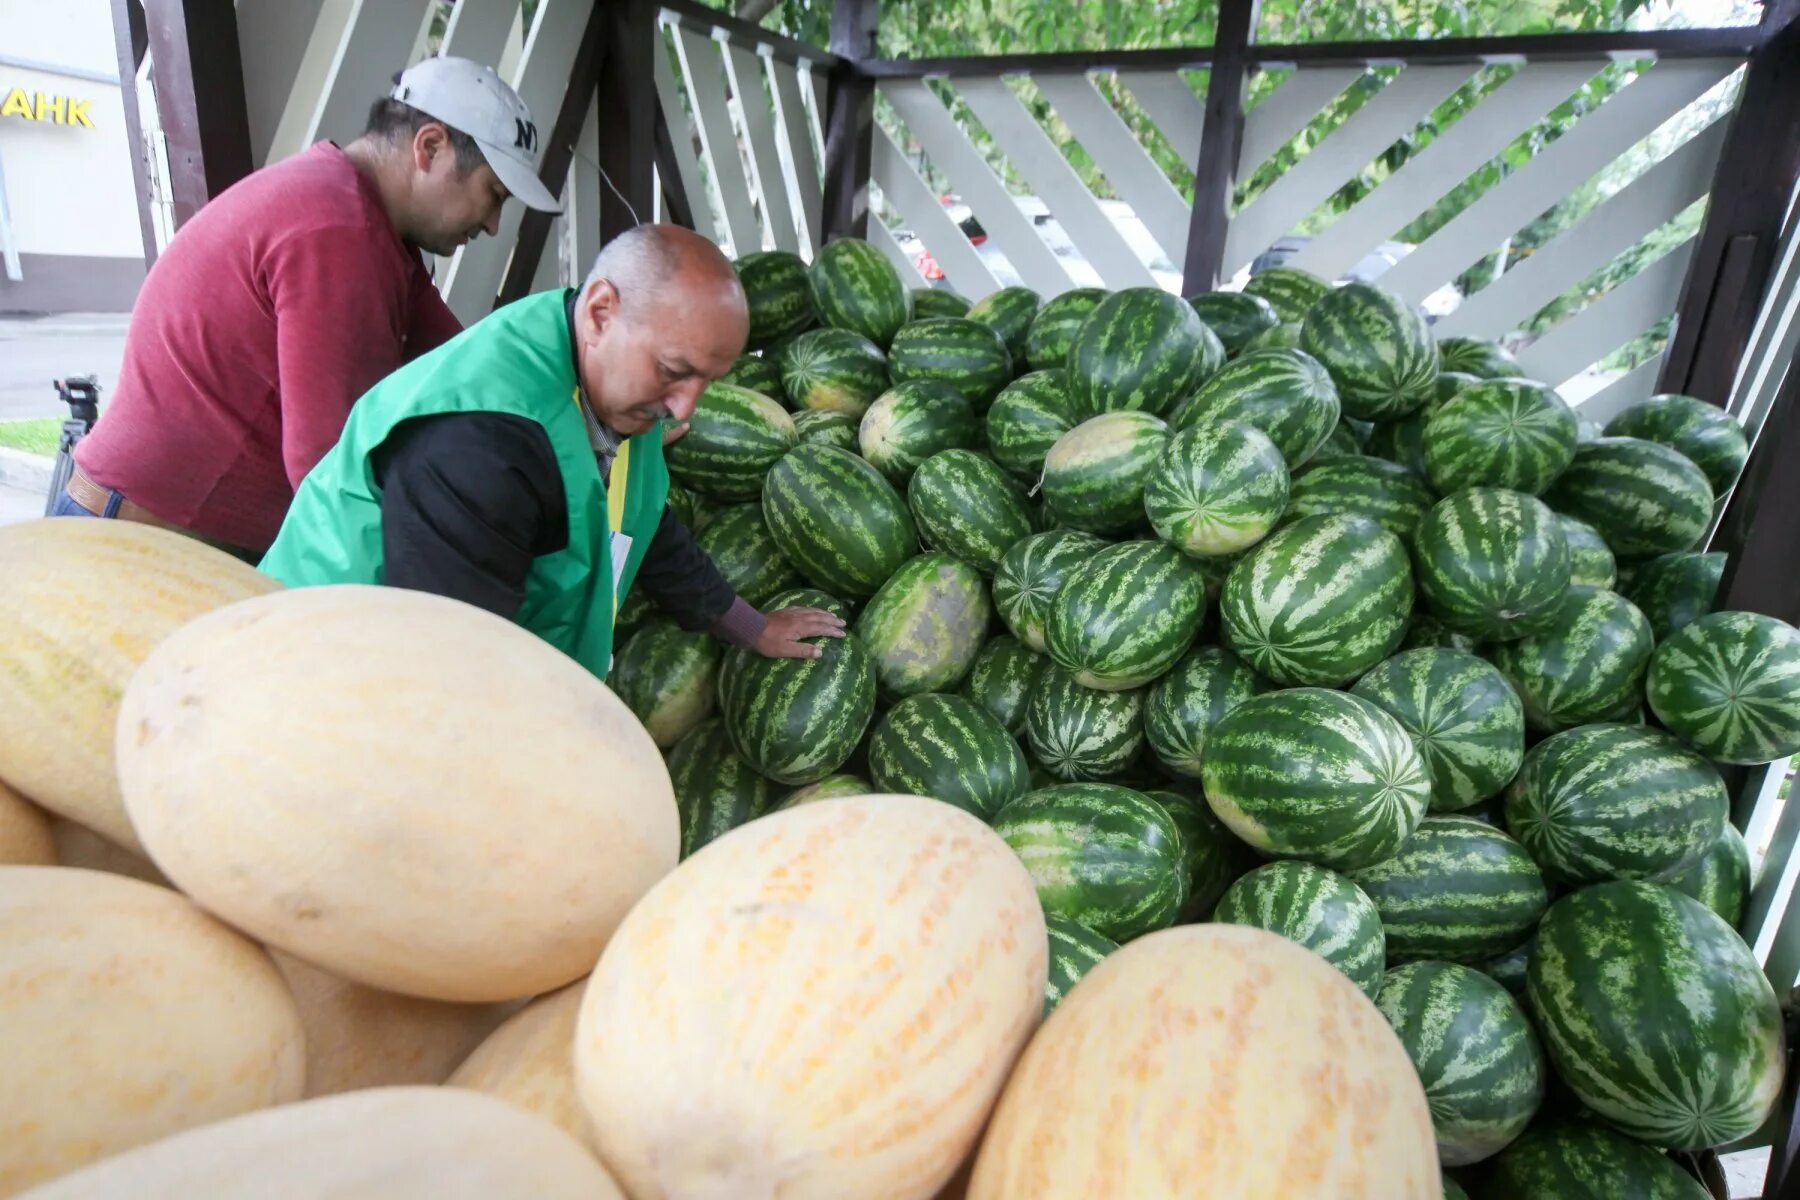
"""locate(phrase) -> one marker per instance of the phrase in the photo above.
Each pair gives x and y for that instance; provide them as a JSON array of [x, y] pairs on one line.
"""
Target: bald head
[[663, 264]]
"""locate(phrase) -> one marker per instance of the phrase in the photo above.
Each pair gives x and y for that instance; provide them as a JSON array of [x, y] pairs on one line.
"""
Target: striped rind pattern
[[741, 544], [968, 355], [1002, 679], [1285, 336], [1463, 716], [1181, 708], [833, 370], [668, 678], [1587, 666], [1656, 1015], [1314, 907], [1235, 317], [1074, 950], [1483, 360], [1458, 890], [778, 293], [838, 520], [1591, 562], [1605, 802], [925, 626], [1211, 858], [1054, 327], [950, 749], [1094, 475], [1030, 574], [1426, 630], [1126, 615], [1320, 602], [1673, 589], [1285, 393], [832, 787], [1289, 290], [1492, 563], [856, 288], [1315, 774], [1378, 349], [1402, 441], [912, 421], [1502, 433], [1728, 685], [1719, 878], [1564, 1160], [1009, 312], [1140, 350], [821, 428], [1080, 733], [1508, 970], [735, 436], [758, 374], [1358, 485], [715, 789], [966, 505], [1643, 497], [1218, 489], [797, 720], [938, 302], [1339, 443], [1025, 420], [1705, 433]]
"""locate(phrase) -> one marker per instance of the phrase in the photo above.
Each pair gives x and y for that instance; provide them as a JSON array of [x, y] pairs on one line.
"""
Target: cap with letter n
[[473, 99]]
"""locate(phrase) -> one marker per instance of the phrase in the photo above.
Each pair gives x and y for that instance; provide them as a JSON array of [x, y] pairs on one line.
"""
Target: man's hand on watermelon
[[785, 633]]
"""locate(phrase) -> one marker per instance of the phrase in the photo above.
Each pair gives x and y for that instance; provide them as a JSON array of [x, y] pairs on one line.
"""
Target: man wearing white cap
[[292, 293]]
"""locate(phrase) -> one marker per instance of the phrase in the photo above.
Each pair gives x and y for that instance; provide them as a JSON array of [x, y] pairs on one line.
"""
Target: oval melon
[[822, 1003], [129, 1015], [25, 839], [529, 1062], [399, 788]]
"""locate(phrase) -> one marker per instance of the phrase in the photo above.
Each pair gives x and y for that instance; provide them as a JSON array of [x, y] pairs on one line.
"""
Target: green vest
[[518, 361]]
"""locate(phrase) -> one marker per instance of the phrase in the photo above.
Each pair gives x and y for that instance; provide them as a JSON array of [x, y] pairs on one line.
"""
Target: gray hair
[[642, 260]]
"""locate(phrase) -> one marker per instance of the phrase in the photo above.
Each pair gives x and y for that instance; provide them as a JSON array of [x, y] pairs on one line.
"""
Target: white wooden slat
[[1290, 108], [478, 29], [1775, 339], [1609, 322], [586, 191], [1613, 227], [1036, 157], [919, 207], [373, 47], [745, 68], [1126, 164], [704, 71], [799, 164], [681, 135], [306, 91], [1769, 905], [883, 240], [1178, 114], [1378, 124], [1553, 173], [1637, 384], [273, 37], [951, 152], [1455, 154]]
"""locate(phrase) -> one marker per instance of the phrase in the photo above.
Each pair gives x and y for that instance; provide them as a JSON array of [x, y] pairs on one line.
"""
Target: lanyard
[[618, 543]]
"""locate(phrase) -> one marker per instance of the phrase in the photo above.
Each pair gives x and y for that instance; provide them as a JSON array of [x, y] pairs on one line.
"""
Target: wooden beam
[[1760, 529], [130, 40], [1221, 138], [849, 120], [628, 117], [709, 21], [193, 46]]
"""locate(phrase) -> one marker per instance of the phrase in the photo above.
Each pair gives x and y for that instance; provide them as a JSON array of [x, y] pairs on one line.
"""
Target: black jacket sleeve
[[682, 579], [467, 501]]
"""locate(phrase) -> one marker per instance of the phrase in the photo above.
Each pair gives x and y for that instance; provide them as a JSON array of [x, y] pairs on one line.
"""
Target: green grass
[[35, 436]]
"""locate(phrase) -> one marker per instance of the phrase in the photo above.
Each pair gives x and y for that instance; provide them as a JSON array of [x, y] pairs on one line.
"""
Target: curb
[[28, 471]]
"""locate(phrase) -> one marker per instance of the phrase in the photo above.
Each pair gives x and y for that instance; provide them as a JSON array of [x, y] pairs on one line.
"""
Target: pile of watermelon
[[1268, 608]]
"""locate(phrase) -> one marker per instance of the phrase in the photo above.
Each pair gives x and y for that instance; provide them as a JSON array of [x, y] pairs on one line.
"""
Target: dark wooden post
[[628, 117], [1221, 137], [199, 97], [130, 40], [849, 119]]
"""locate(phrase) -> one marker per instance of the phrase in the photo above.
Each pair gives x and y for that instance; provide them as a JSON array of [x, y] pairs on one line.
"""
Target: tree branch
[[755, 10]]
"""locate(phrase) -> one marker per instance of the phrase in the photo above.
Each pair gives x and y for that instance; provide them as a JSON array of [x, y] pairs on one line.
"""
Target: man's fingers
[[794, 650]]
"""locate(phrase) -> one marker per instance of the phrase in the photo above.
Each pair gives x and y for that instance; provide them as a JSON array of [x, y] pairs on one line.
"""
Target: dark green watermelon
[[963, 353], [1358, 485], [1030, 574], [820, 428], [1483, 360], [1289, 290], [1285, 393], [833, 370], [747, 554], [1081, 733], [925, 625], [938, 302], [1211, 857], [1236, 317], [1002, 679], [1591, 562], [1719, 878], [1704, 432], [1126, 615], [1458, 890], [1094, 476], [1674, 589], [668, 678], [950, 749], [1583, 1160], [912, 421], [1728, 684], [1026, 419], [1587, 665], [1140, 350], [715, 789], [733, 439], [1642, 497], [965, 504], [797, 720], [1501, 433], [1009, 312], [1463, 716], [1314, 907], [856, 288], [1054, 326], [758, 374], [1218, 489], [838, 520], [1074, 951], [779, 295], [1492, 563], [1181, 708], [1377, 348]]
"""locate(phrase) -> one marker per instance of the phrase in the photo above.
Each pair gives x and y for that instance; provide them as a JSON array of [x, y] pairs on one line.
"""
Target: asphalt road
[[35, 351]]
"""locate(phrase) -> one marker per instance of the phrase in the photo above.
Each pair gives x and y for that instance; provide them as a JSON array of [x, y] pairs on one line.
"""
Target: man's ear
[[601, 303], [430, 140]]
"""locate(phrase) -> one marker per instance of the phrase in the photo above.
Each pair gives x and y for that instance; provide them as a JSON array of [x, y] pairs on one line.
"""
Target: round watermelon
[[1218, 489], [1285, 336], [1341, 443], [1182, 707], [1643, 497], [1074, 950], [965, 354], [1427, 630], [797, 720], [1105, 856], [1501, 433], [1315, 774], [856, 288], [1705, 433], [1082, 733], [1463, 716], [838, 520], [1094, 476], [1719, 878], [1674, 589], [1002, 679], [735, 436], [1475, 1052], [1211, 858], [1030, 574], [1508, 970], [965, 504], [692, 509], [747, 554], [938, 302], [1587, 666], [1236, 317], [1316, 908], [818, 428], [1582, 1160], [1728, 685], [950, 749], [1492, 563], [1483, 360], [1140, 350], [1320, 602], [1284, 393], [1026, 419], [1358, 485], [715, 789], [1125, 615], [925, 626], [1009, 312], [1377, 348], [912, 421], [758, 374], [1614, 802], [1054, 326], [1403, 441], [832, 787], [668, 678], [1458, 890], [833, 370], [778, 293], [1289, 290], [1657, 1015], [1591, 562]]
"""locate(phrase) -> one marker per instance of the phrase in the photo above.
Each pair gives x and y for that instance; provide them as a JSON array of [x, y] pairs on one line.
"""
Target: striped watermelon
[[1341, 443], [1705, 433], [634, 615], [1211, 858], [1031, 573], [1728, 685], [1002, 679], [925, 626], [1235, 316], [1140, 350], [820, 428], [912, 421], [1644, 498], [1054, 326], [965, 354], [1285, 336], [1094, 475], [1581, 1160], [1463, 716], [1074, 949], [856, 288], [1656, 1015], [747, 554], [1107, 857], [1218, 489], [1614, 802], [1125, 615], [1719, 878], [938, 302], [1475, 1052], [1285, 393], [1182, 707], [838, 520], [694, 510], [1483, 360], [1009, 312], [1357, 485], [1508, 970], [1453, 1190], [832, 787], [1315, 774], [1587, 666], [1427, 630], [1458, 890], [715, 789], [1501, 433], [950, 749], [1591, 563], [758, 374], [1026, 419], [735, 436], [1377, 348], [1316, 908], [1674, 589], [797, 720], [1319, 602], [833, 370], [1289, 290], [965, 504], [1492, 563], [668, 678], [1403, 441], [1081, 733], [778, 293]]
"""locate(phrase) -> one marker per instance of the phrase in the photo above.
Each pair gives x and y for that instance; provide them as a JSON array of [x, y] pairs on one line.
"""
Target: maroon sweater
[[282, 301]]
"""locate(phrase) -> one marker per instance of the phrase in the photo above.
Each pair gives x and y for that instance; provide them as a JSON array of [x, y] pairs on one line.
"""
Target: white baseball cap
[[473, 99]]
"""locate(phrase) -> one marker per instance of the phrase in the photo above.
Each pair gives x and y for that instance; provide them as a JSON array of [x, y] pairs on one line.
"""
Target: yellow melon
[[380, 1144], [128, 1015], [529, 1061], [81, 604], [79, 846], [1214, 1060], [24, 832], [823, 1003], [401, 789]]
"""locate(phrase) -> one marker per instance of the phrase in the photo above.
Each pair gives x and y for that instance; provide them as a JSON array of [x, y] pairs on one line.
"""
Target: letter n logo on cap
[[524, 135]]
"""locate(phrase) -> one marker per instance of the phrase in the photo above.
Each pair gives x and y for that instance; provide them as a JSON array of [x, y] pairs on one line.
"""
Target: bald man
[[519, 466]]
